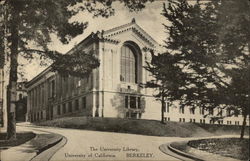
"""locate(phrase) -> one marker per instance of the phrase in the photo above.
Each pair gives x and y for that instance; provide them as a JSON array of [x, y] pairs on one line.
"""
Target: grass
[[223, 129], [229, 147], [40, 143], [20, 139], [143, 127]]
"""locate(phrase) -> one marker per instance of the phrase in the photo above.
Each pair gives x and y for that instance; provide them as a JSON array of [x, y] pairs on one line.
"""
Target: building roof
[[106, 36], [92, 36], [135, 28]]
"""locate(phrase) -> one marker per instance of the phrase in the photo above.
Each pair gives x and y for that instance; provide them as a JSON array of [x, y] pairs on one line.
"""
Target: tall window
[[58, 110], [192, 110], [181, 109], [83, 102], [70, 106], [41, 115], [166, 107], [202, 110], [20, 96], [64, 108], [139, 102], [76, 104], [52, 89], [132, 102], [128, 65]]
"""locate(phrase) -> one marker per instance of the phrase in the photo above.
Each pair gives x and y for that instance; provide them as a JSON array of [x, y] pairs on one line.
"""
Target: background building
[[113, 89], [21, 105]]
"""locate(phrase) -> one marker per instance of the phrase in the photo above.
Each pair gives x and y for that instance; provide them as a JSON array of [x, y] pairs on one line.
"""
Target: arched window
[[128, 65], [20, 96]]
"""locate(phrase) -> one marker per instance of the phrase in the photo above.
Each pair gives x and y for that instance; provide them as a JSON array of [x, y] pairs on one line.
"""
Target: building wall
[[114, 96], [102, 94], [45, 103], [51, 95]]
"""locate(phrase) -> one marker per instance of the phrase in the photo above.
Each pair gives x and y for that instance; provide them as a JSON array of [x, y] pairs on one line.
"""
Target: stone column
[[28, 107], [39, 97], [100, 71], [57, 88]]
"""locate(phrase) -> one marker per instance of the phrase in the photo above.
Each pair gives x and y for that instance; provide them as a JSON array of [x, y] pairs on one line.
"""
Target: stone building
[[112, 90]]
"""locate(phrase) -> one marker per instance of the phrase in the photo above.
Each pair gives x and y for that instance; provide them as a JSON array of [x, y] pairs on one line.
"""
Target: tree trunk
[[11, 90], [243, 126], [162, 110]]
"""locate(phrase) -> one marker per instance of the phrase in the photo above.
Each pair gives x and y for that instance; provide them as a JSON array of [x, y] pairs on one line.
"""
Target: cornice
[[36, 78], [107, 32], [132, 26], [113, 41]]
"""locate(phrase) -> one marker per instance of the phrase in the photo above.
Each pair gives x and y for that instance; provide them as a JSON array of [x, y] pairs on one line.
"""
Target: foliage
[[207, 47], [195, 48], [78, 63], [28, 26], [210, 44], [168, 78], [1, 40], [36, 21]]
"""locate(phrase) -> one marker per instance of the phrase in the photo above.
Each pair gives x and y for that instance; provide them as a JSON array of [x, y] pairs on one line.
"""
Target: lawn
[[20, 139], [143, 127], [40, 142], [229, 147]]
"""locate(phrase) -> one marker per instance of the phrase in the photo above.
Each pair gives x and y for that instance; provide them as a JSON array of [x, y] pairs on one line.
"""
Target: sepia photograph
[[124, 80]]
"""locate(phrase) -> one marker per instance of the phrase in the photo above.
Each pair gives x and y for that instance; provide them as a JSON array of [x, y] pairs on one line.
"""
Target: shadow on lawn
[[20, 139], [228, 147]]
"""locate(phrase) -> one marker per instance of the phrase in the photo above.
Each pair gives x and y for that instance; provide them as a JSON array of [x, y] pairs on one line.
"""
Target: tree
[[168, 78], [33, 22], [175, 78], [234, 40], [213, 40], [1, 40]]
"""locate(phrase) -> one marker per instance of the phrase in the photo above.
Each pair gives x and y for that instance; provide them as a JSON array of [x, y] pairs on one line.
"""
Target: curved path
[[95, 145]]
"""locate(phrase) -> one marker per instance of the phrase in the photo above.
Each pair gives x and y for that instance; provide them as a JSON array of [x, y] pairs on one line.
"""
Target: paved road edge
[[180, 154], [183, 153], [48, 151]]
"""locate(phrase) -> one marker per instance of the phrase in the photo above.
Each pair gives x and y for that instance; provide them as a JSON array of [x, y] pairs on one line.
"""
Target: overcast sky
[[150, 19]]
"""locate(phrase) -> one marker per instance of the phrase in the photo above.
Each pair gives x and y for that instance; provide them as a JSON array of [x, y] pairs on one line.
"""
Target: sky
[[149, 19]]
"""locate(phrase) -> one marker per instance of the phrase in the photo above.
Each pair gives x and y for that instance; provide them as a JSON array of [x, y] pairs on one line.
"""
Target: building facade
[[113, 89]]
